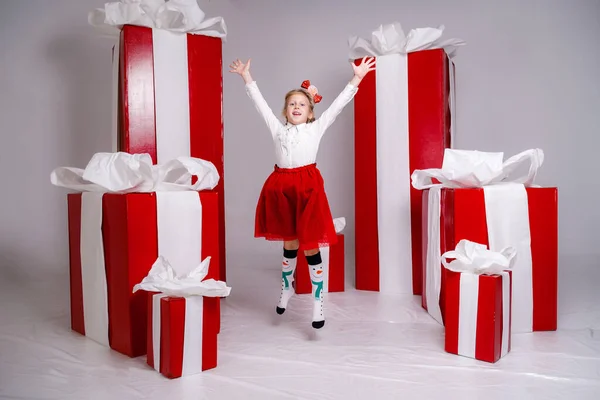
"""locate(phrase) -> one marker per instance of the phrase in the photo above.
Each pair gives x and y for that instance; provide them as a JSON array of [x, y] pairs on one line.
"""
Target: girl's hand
[[242, 69], [360, 71]]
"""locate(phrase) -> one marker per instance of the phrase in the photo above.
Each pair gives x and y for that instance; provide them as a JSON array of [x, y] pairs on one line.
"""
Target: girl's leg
[[290, 256], [315, 269]]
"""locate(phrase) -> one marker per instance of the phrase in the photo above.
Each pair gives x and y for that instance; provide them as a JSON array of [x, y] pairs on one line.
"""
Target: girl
[[292, 206]]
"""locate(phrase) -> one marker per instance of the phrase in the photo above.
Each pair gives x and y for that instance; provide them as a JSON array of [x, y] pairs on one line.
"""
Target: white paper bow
[[471, 168], [179, 16], [339, 224], [162, 278], [125, 173], [475, 258], [390, 39]]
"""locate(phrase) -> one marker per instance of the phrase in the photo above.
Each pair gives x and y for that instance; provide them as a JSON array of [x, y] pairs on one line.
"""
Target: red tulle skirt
[[293, 205]]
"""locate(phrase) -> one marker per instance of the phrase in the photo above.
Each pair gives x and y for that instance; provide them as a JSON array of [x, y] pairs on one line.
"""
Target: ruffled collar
[[289, 126]]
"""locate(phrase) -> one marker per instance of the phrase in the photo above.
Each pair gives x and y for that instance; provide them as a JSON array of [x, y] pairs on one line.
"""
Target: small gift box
[[115, 236], [182, 334], [184, 319], [478, 302], [333, 265], [167, 83], [404, 119]]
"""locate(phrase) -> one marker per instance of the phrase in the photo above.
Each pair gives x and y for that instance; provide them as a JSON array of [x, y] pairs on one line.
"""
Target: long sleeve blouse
[[298, 145]]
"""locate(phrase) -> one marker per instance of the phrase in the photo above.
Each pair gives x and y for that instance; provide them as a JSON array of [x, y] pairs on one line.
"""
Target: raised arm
[[255, 95], [329, 115]]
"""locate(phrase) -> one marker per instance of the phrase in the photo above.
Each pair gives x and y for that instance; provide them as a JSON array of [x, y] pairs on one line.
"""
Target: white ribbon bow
[[339, 224], [471, 168], [125, 173], [162, 278], [178, 16], [390, 39], [476, 259]]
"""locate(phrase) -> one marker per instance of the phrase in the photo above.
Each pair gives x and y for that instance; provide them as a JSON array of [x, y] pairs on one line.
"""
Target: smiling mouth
[[297, 114]]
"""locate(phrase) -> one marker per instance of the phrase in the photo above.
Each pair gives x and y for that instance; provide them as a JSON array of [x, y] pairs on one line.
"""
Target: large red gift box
[[169, 100], [463, 215], [182, 334], [333, 261], [403, 117], [114, 239], [478, 310]]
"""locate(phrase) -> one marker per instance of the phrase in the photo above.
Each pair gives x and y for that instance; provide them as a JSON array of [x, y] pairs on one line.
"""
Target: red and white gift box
[[168, 100], [404, 118], [113, 241], [333, 267], [498, 215], [182, 334], [478, 315]]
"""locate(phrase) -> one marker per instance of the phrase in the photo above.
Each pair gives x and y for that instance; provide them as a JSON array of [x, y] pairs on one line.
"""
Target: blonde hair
[[311, 102]]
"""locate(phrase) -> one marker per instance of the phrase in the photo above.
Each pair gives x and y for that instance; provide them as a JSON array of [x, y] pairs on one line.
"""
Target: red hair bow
[[312, 90]]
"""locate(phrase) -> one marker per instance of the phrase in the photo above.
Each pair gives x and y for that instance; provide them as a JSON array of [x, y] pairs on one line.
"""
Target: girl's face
[[298, 109]]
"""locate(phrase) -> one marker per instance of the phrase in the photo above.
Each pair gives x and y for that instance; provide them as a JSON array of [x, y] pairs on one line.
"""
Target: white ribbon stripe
[[507, 214], [393, 186], [179, 219], [433, 265], [192, 339], [171, 95], [506, 312], [467, 314], [93, 272]]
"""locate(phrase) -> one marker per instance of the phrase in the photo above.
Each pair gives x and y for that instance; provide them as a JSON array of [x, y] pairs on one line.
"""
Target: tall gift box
[[333, 258], [497, 214], [114, 238], [478, 303], [404, 119], [168, 85]]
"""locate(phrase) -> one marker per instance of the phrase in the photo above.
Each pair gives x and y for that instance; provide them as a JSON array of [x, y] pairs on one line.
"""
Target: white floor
[[372, 347]]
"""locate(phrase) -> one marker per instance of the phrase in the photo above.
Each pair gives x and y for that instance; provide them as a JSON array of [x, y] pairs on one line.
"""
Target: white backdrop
[[527, 78]]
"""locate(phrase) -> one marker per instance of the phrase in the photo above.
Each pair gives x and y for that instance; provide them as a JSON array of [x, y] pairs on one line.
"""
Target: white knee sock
[[288, 268], [315, 267]]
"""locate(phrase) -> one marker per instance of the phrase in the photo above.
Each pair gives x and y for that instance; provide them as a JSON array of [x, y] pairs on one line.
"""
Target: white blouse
[[297, 145]]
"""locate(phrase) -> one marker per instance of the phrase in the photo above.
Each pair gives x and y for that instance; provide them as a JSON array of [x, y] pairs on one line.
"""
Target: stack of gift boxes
[[404, 128], [167, 105]]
